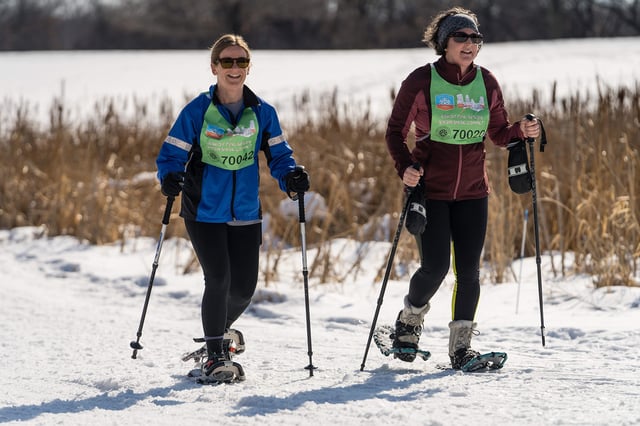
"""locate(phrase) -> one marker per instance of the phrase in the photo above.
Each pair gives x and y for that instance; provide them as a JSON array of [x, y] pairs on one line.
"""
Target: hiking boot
[[408, 330], [463, 356], [460, 351]]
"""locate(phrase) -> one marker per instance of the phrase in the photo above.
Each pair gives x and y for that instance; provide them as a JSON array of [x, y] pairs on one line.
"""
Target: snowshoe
[[481, 362], [384, 337], [490, 360], [219, 370]]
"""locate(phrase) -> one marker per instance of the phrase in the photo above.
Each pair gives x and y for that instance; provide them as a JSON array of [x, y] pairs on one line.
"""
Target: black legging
[[229, 258], [463, 224]]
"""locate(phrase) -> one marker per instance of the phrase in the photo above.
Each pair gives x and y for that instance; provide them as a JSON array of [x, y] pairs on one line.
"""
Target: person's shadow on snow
[[105, 401], [379, 385]]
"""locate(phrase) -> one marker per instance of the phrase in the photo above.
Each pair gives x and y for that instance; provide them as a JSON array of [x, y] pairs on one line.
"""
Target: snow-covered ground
[[69, 310], [83, 79]]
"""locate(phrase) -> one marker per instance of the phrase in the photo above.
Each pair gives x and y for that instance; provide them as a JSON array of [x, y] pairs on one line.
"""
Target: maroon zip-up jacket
[[451, 172]]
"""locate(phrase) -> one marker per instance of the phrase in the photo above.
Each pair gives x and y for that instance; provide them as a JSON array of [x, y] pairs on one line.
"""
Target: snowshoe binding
[[384, 338], [233, 341]]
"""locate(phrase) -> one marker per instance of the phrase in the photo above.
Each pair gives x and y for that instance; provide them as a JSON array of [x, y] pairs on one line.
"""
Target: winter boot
[[460, 351], [408, 329]]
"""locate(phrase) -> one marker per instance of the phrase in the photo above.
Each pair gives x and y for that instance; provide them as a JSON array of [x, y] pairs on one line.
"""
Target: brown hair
[[430, 36], [225, 41]]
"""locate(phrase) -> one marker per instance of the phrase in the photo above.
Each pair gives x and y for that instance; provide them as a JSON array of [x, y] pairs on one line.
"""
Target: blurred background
[[294, 24]]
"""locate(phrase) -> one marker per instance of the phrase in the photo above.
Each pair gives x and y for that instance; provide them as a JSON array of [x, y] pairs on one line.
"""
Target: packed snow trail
[[68, 311]]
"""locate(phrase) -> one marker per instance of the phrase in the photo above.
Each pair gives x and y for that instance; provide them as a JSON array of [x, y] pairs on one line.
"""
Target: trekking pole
[[387, 272], [524, 238], [135, 344], [305, 275], [535, 220]]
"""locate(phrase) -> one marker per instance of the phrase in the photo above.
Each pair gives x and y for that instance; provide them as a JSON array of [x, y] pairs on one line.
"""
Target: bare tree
[[626, 11], [297, 24]]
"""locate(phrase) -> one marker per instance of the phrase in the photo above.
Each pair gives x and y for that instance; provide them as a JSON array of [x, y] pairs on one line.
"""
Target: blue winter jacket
[[212, 194]]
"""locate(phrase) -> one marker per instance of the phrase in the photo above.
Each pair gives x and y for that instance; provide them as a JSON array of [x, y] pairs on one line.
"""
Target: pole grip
[[301, 207], [543, 134], [167, 210]]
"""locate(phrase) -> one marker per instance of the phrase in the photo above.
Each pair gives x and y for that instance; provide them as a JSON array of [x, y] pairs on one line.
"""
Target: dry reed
[[96, 181]]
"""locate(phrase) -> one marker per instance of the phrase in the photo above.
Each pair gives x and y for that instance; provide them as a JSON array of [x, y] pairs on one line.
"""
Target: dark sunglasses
[[462, 37], [228, 62]]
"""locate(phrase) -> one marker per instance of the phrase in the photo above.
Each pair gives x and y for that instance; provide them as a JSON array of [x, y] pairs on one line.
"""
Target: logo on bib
[[444, 102], [443, 132], [214, 132], [468, 103]]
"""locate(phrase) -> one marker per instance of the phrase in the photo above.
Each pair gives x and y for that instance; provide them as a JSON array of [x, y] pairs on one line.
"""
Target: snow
[[84, 79], [69, 309]]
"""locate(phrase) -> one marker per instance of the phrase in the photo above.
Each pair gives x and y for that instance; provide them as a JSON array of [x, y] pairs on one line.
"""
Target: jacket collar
[[249, 98], [451, 72]]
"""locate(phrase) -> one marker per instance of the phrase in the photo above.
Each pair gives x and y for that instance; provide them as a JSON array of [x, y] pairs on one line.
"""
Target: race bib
[[226, 147], [459, 114]]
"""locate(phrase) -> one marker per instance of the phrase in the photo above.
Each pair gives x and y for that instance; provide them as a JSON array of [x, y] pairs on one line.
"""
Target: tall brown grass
[[95, 180]]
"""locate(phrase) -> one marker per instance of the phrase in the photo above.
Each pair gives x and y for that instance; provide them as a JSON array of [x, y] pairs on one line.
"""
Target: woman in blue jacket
[[211, 155]]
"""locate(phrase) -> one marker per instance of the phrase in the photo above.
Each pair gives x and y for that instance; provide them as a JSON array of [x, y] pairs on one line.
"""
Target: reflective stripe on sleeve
[[178, 143], [276, 140]]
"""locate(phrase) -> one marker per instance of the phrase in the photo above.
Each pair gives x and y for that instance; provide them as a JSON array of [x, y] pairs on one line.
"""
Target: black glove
[[297, 181], [172, 184]]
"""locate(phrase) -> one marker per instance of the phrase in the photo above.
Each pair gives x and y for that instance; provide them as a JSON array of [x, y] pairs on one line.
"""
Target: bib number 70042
[[235, 160]]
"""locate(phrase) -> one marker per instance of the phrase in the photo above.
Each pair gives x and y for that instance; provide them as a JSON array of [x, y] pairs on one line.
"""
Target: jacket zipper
[[233, 195], [459, 174], [234, 122]]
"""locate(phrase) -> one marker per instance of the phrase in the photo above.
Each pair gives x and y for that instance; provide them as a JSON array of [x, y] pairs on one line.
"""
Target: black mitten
[[417, 212], [518, 167]]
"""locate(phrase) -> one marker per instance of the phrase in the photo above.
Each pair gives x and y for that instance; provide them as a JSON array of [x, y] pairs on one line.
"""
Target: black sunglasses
[[462, 37], [227, 63]]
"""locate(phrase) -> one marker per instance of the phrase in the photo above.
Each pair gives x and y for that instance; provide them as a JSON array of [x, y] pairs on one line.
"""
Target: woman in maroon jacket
[[453, 105]]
